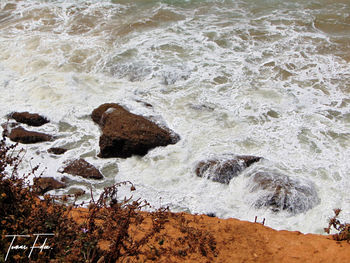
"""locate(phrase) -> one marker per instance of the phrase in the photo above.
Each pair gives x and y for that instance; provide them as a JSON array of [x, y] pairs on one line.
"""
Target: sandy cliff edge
[[242, 241]]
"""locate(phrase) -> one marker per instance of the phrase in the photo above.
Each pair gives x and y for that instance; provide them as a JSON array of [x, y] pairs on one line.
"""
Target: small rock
[[45, 184], [148, 105], [24, 136], [31, 119], [223, 170], [57, 150], [82, 168]]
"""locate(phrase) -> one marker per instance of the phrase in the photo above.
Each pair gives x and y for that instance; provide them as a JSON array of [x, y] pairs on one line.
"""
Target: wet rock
[[146, 104], [31, 119], [24, 136], [45, 184], [223, 170], [57, 150], [7, 127], [80, 167], [280, 192], [98, 112], [125, 134]]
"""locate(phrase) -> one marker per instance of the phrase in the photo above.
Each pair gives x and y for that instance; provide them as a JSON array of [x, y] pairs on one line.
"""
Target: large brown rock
[[125, 134], [24, 136], [44, 184], [80, 167], [280, 192], [31, 119], [223, 170]]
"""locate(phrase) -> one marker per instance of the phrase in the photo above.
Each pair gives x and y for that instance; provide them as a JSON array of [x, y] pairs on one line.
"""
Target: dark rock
[[57, 150], [31, 119], [223, 170], [125, 134], [280, 192], [98, 112], [24, 136], [7, 127], [146, 104], [211, 214], [44, 184], [82, 168]]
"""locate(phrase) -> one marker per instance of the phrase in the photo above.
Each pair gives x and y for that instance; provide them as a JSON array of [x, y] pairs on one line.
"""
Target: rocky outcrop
[[280, 192], [125, 134], [80, 167], [57, 150], [24, 136], [31, 119], [223, 170], [45, 184]]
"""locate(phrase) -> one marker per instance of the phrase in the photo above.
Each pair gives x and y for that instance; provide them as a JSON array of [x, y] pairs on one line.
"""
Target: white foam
[[227, 77]]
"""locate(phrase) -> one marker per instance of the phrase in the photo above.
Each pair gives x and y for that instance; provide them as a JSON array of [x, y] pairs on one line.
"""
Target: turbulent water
[[268, 78]]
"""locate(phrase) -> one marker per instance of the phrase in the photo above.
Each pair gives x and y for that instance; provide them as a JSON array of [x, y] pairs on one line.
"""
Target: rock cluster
[[125, 134], [268, 189], [21, 135]]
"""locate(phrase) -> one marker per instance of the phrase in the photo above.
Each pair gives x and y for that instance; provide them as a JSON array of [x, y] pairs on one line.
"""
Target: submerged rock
[[280, 192], [223, 170], [57, 150], [31, 119], [45, 184], [80, 167], [125, 134], [24, 136]]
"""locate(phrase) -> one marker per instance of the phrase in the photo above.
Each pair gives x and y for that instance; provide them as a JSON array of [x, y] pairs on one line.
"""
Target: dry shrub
[[131, 235], [343, 229]]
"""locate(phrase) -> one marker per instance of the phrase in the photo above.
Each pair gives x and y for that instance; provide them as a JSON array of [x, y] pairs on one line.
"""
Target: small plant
[[110, 230], [342, 228]]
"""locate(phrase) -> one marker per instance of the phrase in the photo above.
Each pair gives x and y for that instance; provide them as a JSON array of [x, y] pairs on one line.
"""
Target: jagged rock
[[57, 150], [280, 192], [125, 134], [82, 168], [44, 184], [31, 119], [24, 136], [223, 170]]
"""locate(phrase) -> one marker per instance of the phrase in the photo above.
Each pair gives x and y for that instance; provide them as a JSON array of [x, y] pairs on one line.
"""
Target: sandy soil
[[235, 241]]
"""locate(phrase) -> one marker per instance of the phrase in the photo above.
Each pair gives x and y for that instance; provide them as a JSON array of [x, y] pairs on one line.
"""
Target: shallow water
[[268, 78]]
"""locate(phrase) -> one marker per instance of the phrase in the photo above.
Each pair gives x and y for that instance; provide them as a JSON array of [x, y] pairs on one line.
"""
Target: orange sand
[[240, 241]]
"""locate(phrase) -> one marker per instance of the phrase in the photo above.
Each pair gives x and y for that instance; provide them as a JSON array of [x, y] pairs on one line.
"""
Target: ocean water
[[269, 78]]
